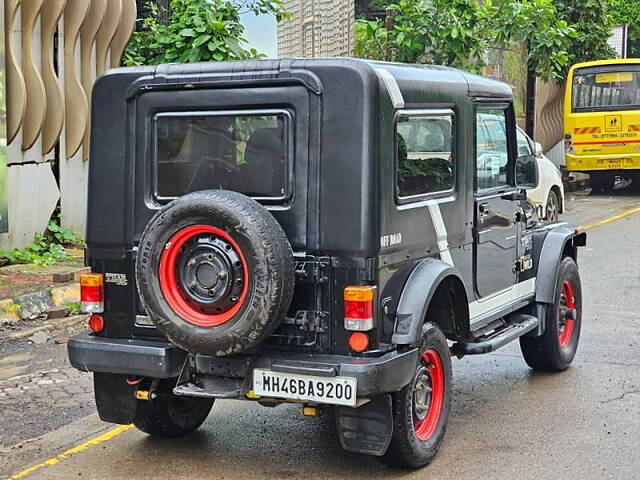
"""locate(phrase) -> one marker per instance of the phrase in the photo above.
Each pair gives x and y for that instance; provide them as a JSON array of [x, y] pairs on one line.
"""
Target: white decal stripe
[[392, 87], [499, 300], [441, 232]]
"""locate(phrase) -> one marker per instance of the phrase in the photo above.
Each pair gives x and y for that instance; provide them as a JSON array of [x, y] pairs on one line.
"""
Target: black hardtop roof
[[410, 78]]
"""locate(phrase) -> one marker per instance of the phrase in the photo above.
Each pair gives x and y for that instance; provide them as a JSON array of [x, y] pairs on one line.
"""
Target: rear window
[[594, 90], [243, 152]]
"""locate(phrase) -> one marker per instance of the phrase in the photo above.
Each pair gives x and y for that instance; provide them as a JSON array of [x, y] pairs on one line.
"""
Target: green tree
[[456, 33], [592, 22], [628, 11], [441, 32], [195, 31]]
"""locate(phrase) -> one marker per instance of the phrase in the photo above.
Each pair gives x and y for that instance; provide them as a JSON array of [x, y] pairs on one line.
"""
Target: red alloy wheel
[[176, 294], [428, 395], [567, 303]]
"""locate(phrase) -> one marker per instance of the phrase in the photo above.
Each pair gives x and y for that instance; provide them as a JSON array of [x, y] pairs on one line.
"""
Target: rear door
[[495, 212]]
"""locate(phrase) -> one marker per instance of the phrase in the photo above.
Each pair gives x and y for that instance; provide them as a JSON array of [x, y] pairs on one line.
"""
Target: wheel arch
[[562, 241], [433, 289]]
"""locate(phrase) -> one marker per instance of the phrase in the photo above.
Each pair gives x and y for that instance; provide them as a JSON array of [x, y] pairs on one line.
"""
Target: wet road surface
[[507, 422]]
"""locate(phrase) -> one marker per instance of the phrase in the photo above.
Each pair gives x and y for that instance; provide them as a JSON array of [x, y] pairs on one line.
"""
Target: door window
[[492, 156], [425, 154]]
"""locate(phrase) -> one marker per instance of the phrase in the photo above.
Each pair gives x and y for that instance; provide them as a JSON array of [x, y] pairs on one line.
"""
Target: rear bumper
[[124, 356], [601, 161], [386, 373]]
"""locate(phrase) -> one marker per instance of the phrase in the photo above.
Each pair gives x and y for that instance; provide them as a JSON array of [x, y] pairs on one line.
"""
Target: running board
[[519, 325]]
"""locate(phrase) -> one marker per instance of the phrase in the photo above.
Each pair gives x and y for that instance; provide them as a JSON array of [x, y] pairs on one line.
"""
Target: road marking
[[105, 437], [613, 219]]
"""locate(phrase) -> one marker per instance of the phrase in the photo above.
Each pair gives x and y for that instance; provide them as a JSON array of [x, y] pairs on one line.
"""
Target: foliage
[[442, 32], [456, 33], [197, 30], [47, 248], [40, 252], [74, 307], [534, 23], [592, 23], [628, 11]]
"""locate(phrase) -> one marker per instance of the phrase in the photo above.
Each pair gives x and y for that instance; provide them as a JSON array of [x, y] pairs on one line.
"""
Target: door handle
[[483, 208]]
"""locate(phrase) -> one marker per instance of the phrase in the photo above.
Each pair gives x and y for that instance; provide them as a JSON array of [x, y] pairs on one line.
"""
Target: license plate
[[333, 390], [616, 162]]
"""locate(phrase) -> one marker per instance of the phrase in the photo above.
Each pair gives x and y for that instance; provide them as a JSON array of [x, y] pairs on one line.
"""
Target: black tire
[[552, 208], [267, 267], [170, 415], [602, 182], [406, 449], [551, 351]]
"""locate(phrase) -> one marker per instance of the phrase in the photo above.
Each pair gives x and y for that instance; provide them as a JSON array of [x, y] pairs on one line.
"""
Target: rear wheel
[[421, 409], [602, 182], [170, 415], [556, 348]]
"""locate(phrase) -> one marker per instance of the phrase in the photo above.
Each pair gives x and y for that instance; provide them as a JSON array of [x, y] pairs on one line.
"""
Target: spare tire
[[215, 272]]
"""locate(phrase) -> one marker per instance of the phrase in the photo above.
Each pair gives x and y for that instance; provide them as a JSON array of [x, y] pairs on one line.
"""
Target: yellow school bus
[[602, 120]]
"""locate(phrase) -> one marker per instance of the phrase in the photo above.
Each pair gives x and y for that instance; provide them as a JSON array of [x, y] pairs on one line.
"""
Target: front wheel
[[421, 409], [170, 415], [552, 209], [555, 349]]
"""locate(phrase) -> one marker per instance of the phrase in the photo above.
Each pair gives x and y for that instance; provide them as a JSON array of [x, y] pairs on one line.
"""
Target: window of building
[[425, 153]]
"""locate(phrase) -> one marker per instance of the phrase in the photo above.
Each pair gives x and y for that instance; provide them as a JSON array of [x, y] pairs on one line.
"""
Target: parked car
[[270, 231], [545, 190], [548, 193]]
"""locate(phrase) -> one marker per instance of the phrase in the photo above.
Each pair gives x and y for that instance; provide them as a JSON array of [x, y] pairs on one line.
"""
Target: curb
[[12, 310]]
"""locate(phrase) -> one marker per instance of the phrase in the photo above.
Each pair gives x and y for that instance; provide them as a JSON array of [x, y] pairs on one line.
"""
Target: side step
[[519, 325]]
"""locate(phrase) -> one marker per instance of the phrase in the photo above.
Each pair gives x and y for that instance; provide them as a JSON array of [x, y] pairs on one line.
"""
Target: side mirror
[[538, 149], [526, 172]]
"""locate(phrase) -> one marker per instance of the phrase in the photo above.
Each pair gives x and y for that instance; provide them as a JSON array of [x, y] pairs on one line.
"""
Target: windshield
[[245, 153], [602, 89]]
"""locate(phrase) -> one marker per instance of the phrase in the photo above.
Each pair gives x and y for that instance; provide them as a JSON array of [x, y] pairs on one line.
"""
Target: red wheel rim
[[170, 286], [567, 303], [426, 414]]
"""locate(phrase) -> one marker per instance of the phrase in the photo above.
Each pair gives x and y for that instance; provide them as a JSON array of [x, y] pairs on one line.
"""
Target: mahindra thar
[[329, 232]]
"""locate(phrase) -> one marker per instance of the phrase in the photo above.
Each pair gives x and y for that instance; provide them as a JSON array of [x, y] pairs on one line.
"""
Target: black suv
[[325, 232]]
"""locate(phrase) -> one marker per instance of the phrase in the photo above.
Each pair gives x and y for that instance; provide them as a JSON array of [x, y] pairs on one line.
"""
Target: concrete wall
[[48, 98]]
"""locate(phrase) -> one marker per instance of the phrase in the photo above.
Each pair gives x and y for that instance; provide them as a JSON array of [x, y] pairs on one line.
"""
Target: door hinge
[[316, 271]]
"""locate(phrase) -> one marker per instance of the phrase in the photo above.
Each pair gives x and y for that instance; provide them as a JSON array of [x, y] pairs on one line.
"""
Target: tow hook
[[310, 411], [149, 394]]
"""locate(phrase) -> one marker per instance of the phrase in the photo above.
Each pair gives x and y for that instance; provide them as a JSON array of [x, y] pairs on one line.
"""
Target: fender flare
[[551, 254], [422, 283]]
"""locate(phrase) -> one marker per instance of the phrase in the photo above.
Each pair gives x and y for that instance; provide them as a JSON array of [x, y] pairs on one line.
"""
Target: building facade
[[53, 52], [317, 28]]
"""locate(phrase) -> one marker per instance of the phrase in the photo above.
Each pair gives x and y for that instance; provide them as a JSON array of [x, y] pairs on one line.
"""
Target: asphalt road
[[507, 422]]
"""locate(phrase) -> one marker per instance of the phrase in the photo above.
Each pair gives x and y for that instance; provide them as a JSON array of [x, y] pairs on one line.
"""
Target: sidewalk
[[28, 291]]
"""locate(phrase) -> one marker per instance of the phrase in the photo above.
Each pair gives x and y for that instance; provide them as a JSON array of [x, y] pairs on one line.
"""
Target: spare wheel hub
[[203, 275]]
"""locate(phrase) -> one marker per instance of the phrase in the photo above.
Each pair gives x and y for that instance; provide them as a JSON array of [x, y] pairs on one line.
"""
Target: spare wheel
[[215, 272]]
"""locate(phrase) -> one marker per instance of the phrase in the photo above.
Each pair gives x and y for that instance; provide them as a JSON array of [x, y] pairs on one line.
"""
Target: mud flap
[[115, 399], [366, 429]]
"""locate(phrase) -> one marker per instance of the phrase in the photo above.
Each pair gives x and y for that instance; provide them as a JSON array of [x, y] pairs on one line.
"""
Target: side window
[[492, 156], [523, 144], [425, 154]]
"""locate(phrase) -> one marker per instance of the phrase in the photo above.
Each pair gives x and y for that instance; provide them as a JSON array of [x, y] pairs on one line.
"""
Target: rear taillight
[[358, 308], [92, 292]]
